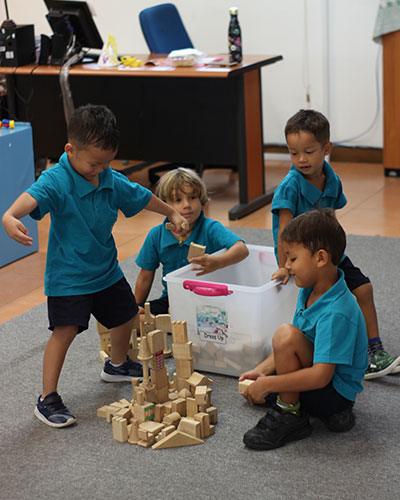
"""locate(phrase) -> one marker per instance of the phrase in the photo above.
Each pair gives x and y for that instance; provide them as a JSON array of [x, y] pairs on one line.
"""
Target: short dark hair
[[308, 120], [317, 229], [93, 125]]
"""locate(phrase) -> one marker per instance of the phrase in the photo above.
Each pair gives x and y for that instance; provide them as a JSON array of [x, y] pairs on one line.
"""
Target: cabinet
[[17, 173]]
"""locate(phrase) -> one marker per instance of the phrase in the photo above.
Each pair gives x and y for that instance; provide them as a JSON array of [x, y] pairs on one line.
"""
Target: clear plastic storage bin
[[232, 313]]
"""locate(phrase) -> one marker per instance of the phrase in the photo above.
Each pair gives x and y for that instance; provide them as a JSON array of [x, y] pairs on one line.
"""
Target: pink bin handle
[[208, 289]]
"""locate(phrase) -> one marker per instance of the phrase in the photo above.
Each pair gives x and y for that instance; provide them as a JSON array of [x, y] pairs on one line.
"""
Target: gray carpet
[[84, 462]]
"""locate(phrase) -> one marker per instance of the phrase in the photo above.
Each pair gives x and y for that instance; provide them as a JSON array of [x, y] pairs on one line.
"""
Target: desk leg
[[252, 194]]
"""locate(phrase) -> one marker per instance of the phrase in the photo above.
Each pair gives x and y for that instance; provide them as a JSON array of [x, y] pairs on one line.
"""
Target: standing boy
[[83, 195], [320, 359], [312, 183]]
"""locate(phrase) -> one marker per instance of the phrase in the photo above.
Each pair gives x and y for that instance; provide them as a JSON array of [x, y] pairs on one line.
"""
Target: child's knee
[[364, 293], [285, 336]]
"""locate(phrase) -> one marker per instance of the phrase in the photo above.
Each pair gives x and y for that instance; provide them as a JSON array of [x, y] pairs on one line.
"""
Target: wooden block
[[179, 405], [133, 435], [213, 412], [212, 430], [191, 407], [219, 364], [124, 402], [160, 378], [179, 332], [184, 393], [163, 322], [182, 351], [159, 411], [172, 419], [124, 413], [204, 419], [182, 383], [103, 356], [232, 364], [184, 367], [197, 379], [111, 411], [149, 318], [162, 394], [190, 426], [167, 430], [196, 348], [196, 250], [102, 412], [144, 412], [244, 384], [167, 407], [200, 395], [120, 429], [101, 329], [175, 439], [153, 427], [155, 340], [146, 444], [211, 349]]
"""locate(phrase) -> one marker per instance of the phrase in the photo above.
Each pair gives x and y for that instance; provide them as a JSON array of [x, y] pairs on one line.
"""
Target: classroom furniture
[[17, 173], [207, 114], [391, 103], [163, 29]]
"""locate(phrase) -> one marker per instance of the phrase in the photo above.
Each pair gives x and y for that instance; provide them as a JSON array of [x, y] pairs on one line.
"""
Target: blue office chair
[[164, 32], [163, 29]]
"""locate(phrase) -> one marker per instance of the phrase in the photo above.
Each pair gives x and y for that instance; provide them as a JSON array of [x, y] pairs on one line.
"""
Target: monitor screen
[[69, 18]]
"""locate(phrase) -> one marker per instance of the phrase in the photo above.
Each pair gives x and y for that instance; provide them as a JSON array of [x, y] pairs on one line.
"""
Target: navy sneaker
[[277, 428], [128, 370], [53, 412]]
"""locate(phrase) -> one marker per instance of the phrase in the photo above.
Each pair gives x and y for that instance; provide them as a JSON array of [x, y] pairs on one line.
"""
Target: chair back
[[163, 29]]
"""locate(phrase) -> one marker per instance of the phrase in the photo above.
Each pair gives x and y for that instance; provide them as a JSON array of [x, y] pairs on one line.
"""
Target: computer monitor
[[72, 23]]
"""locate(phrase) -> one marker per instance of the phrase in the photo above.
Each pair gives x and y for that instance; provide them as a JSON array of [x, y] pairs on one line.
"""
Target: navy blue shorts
[[158, 306], [352, 274], [112, 307]]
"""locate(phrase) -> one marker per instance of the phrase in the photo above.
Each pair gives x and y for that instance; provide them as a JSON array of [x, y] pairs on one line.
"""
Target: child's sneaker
[[277, 428], [341, 421], [380, 365], [53, 412], [125, 372]]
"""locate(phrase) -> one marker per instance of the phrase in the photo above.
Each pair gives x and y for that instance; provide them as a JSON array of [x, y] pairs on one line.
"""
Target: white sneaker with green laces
[[382, 364]]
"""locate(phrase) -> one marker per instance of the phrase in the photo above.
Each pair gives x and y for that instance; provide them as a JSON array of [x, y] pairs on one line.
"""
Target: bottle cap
[[233, 10]]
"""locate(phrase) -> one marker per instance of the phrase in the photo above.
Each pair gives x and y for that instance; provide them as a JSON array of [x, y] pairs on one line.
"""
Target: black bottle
[[234, 37]]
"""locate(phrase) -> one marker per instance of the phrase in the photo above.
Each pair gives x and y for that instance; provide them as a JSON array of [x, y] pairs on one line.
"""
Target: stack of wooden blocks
[[164, 413]]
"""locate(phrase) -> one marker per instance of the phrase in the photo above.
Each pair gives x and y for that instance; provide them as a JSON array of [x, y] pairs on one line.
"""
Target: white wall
[[341, 53]]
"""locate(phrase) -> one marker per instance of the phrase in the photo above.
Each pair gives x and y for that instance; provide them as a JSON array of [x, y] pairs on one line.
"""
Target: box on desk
[[232, 313], [17, 173]]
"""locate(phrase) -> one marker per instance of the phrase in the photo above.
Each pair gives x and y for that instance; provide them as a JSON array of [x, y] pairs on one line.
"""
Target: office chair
[[164, 31]]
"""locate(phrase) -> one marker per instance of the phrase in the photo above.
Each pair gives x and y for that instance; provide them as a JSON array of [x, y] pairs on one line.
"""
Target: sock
[[288, 407], [375, 346], [116, 366]]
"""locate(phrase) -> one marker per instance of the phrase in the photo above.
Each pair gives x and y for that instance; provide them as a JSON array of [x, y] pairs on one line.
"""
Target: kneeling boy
[[318, 363]]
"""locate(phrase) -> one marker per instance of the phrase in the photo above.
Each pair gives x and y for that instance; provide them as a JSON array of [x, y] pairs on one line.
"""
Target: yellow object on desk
[[133, 62]]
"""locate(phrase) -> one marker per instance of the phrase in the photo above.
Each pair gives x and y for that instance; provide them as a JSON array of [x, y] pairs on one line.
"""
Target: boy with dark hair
[[320, 359], [83, 277], [312, 183]]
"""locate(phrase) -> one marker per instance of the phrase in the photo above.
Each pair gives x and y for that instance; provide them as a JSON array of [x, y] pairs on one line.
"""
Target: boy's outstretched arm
[[208, 263], [15, 229], [306, 379], [143, 285], [160, 207], [285, 216]]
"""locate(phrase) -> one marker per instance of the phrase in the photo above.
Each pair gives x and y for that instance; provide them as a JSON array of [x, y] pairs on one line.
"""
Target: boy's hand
[[16, 230], [256, 392], [205, 264], [281, 274], [251, 375], [181, 225]]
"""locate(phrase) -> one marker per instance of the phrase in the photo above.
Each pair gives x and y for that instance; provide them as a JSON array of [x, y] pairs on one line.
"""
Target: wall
[[341, 53]]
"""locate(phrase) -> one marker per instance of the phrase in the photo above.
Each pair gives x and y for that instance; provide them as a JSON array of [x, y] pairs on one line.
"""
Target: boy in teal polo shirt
[[83, 195], [184, 190], [312, 183], [318, 362]]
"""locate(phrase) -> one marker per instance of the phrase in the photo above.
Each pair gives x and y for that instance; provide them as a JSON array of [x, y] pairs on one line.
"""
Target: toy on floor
[[164, 413]]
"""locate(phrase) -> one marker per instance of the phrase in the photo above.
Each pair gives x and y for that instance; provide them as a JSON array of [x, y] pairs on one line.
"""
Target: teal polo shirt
[[298, 195], [81, 254], [336, 327], [161, 247]]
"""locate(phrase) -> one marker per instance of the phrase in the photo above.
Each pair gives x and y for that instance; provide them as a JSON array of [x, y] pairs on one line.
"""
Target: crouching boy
[[318, 363]]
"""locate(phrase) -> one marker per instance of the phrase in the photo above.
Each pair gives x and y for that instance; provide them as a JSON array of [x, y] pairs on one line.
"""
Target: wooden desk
[[210, 115]]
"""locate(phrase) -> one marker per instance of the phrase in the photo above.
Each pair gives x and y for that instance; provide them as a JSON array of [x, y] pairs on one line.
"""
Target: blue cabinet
[[17, 173]]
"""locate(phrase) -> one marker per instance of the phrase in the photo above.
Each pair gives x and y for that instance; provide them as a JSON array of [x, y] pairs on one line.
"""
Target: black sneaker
[[53, 412], [125, 372], [276, 429], [342, 421]]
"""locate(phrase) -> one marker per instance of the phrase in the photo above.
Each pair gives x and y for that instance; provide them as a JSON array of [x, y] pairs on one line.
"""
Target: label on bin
[[212, 324]]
